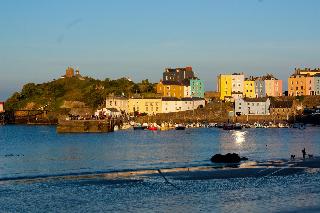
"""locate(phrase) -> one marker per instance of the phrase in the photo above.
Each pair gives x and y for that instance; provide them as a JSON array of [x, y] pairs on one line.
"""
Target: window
[[157, 108], [147, 109], [239, 107], [301, 87]]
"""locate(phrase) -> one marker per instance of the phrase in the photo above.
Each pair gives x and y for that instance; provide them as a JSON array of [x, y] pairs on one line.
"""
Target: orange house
[[297, 85]]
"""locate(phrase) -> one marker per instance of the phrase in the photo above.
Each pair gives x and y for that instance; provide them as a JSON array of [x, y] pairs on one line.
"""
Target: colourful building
[[260, 87], [310, 90], [224, 86], [249, 88], [317, 84], [196, 88], [273, 87], [178, 74], [171, 89], [231, 86], [297, 85], [1, 107]]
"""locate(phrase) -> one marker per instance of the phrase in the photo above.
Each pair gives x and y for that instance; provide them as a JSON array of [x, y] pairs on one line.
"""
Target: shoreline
[[248, 169]]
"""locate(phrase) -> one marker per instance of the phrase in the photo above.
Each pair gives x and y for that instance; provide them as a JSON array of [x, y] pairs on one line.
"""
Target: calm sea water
[[38, 151]]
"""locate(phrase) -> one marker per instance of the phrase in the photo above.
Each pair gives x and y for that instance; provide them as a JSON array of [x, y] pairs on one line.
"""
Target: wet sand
[[215, 171]]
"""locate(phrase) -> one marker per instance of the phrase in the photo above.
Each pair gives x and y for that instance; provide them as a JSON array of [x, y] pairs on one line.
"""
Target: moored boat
[[138, 126], [228, 126], [180, 127], [153, 128]]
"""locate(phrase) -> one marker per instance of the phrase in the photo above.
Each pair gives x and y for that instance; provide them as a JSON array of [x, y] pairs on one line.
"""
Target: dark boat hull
[[180, 128], [139, 128]]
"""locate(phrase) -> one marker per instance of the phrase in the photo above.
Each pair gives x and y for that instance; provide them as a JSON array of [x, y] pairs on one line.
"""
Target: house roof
[[118, 97], [185, 82], [182, 99], [178, 68], [170, 99], [282, 104], [112, 109], [255, 99]]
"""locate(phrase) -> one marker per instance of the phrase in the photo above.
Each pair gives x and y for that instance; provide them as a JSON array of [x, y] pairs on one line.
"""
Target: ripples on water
[[29, 151]]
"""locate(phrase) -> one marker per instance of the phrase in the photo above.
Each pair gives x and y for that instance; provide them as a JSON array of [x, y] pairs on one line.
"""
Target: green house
[[196, 88]]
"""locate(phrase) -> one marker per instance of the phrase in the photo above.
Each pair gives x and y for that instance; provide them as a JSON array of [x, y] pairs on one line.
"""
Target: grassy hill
[[92, 92]]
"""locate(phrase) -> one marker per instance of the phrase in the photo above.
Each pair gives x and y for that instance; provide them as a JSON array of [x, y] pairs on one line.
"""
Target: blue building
[[317, 84], [260, 87], [196, 88]]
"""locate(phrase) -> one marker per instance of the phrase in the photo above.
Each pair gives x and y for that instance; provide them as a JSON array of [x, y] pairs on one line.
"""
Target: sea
[[44, 171]]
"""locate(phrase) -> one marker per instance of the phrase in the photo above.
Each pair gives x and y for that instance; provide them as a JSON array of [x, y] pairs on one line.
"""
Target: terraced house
[[180, 83], [150, 106], [252, 106], [304, 82], [249, 88], [231, 86], [196, 88], [173, 89], [178, 74]]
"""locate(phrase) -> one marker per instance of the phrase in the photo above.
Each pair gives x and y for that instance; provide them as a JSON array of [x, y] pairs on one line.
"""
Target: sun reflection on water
[[239, 137]]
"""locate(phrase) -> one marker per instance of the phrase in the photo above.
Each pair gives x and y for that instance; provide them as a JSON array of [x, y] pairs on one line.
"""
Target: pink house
[[310, 87], [273, 87], [1, 106]]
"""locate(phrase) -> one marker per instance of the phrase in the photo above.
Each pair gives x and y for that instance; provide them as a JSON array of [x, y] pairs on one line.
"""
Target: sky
[[138, 39]]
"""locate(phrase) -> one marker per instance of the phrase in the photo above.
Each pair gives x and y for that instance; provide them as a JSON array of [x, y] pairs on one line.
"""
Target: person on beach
[[304, 153]]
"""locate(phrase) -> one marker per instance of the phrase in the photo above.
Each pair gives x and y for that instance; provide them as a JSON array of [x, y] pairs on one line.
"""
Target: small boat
[[138, 126], [228, 127], [180, 127], [237, 126], [153, 128]]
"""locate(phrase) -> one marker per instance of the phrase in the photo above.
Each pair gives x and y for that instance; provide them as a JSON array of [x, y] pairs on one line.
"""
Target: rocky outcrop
[[228, 158]]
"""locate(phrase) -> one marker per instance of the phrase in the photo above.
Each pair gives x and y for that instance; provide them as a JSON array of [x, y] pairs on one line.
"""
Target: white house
[[252, 106], [187, 91], [113, 112], [119, 103], [170, 104], [237, 82]]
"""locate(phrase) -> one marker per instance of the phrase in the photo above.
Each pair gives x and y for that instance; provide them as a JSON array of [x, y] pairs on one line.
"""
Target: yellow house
[[224, 86], [151, 106], [248, 89], [170, 89]]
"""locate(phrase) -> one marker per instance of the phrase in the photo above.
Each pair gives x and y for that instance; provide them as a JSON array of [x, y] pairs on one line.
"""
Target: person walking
[[304, 153]]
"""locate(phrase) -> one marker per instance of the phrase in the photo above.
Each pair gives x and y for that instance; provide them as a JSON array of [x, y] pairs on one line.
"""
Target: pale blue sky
[[139, 38]]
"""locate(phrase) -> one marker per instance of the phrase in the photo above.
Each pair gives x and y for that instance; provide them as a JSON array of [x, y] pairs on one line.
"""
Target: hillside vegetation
[[92, 92]]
